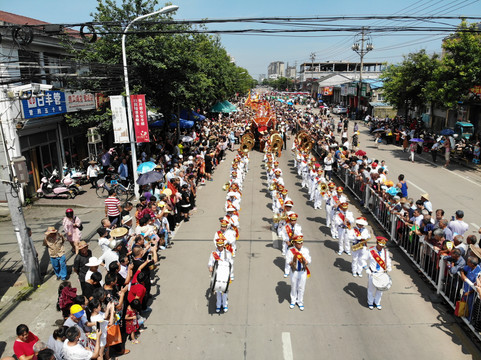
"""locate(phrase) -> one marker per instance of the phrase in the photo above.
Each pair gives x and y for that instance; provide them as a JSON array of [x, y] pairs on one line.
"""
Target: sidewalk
[[43, 213]]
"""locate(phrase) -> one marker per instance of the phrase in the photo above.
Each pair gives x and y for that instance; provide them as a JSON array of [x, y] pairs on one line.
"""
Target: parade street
[[259, 324]]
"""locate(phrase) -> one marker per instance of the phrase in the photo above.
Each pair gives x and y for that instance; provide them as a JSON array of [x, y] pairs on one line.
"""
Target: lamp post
[[133, 143], [361, 51]]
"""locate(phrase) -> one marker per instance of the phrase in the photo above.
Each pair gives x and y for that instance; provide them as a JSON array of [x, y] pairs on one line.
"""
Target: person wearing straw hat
[[56, 251], [359, 236], [220, 254], [376, 261], [93, 173], [298, 258]]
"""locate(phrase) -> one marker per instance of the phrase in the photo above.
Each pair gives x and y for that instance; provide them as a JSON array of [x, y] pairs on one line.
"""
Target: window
[[380, 97]]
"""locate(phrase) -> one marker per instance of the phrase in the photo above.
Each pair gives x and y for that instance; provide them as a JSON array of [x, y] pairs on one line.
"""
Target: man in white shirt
[[298, 258]]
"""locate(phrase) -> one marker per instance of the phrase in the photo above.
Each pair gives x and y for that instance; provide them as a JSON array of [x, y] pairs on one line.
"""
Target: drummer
[[298, 258], [378, 262], [220, 254]]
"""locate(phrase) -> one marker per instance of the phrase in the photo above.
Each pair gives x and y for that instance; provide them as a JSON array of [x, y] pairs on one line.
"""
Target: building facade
[[276, 70]]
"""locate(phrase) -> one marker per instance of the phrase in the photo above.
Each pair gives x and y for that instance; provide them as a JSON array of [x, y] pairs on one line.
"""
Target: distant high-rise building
[[275, 70], [291, 72]]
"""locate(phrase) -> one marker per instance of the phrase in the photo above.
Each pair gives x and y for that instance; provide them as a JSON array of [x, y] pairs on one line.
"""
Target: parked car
[[338, 109]]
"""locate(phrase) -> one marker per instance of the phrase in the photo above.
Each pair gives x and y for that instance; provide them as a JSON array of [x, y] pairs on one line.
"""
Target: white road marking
[[417, 187], [476, 226], [463, 177], [287, 346]]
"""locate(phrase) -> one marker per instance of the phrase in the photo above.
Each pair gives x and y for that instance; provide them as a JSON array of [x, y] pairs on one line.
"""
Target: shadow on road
[[356, 291], [280, 262], [283, 291], [342, 264], [211, 299], [333, 245]]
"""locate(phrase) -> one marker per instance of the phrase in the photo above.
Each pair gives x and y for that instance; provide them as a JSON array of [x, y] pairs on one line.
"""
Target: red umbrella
[[360, 153]]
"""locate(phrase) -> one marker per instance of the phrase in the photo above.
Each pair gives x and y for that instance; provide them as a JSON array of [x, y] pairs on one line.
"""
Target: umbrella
[[149, 177], [379, 130], [145, 167], [392, 191], [416, 140], [360, 153], [447, 132], [290, 103], [187, 139]]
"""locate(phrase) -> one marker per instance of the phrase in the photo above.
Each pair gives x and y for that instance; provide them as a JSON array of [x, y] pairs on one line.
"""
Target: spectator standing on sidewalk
[[113, 208], [79, 262], [23, 345], [93, 173], [402, 184], [72, 227], [56, 251], [434, 151], [412, 150]]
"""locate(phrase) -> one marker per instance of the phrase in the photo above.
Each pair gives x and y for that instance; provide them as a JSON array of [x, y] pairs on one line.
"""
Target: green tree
[[406, 84], [174, 66], [460, 68]]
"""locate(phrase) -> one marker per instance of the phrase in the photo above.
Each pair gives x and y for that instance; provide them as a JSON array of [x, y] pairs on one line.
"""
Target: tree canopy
[[175, 67]]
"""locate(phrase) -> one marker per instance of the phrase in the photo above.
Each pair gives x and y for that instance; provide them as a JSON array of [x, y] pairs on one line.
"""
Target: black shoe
[[186, 219]]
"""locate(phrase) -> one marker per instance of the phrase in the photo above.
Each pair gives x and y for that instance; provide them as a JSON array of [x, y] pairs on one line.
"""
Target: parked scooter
[[48, 190], [71, 184]]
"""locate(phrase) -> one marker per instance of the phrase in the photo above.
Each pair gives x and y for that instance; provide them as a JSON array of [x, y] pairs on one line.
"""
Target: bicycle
[[104, 186]]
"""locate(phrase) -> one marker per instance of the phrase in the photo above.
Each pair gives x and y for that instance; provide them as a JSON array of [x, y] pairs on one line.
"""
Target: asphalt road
[[259, 325]]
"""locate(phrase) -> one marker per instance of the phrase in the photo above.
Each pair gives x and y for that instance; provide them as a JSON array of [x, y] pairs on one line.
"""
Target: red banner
[[139, 112], [476, 90]]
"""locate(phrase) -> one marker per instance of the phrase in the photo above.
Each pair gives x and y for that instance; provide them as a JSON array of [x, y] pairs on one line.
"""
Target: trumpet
[[225, 187], [278, 218], [273, 187]]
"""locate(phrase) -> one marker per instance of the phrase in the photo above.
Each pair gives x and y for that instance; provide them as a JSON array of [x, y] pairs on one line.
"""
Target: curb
[[24, 293]]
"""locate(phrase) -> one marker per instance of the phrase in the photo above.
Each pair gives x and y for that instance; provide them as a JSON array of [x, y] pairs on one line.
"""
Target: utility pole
[[361, 52], [313, 57], [12, 188]]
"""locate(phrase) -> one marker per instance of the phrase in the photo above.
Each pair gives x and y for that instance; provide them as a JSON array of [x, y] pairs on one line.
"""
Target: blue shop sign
[[52, 103]]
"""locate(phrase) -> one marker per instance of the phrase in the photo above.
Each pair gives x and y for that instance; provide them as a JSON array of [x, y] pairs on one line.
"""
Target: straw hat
[[167, 192], [476, 250], [119, 232], [426, 196], [50, 230], [82, 244]]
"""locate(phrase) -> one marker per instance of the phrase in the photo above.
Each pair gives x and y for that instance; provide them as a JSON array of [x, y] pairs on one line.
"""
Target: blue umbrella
[[392, 191], [290, 103], [447, 132], [416, 140], [145, 167]]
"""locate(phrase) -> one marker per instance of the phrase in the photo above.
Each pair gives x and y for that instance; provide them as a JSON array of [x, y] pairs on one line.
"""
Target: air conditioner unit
[[93, 135]]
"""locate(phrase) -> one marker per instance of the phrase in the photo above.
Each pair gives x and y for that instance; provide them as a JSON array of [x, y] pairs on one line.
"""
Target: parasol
[[416, 140], [146, 167], [360, 153], [149, 177]]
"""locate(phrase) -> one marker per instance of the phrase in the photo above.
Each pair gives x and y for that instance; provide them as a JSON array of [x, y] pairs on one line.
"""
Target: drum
[[220, 276], [382, 281]]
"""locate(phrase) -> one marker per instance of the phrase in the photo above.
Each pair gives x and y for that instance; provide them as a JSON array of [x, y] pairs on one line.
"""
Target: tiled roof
[[19, 19]]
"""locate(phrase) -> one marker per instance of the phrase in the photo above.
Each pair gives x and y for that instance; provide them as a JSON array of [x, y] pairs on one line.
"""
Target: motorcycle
[[48, 190], [71, 184]]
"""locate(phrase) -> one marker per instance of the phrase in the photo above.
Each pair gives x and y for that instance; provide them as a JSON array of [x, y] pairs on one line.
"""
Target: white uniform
[[298, 276], [356, 235], [223, 255], [344, 244], [373, 294], [296, 231]]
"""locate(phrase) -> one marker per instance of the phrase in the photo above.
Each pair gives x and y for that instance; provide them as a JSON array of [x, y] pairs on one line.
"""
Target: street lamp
[[133, 143], [361, 51]]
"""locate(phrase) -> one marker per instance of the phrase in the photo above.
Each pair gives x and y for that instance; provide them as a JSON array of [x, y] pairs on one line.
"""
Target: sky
[[255, 52]]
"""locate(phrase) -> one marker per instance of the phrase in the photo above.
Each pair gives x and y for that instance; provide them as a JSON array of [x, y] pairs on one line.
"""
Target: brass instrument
[[305, 141], [359, 245], [322, 188], [278, 218], [225, 187], [247, 142], [273, 187], [276, 142]]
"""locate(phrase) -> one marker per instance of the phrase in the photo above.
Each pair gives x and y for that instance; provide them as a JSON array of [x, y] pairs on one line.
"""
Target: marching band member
[[232, 200], [318, 194], [233, 224], [359, 235], [291, 229], [220, 254], [344, 221], [329, 203], [284, 216], [377, 261], [338, 198], [298, 258]]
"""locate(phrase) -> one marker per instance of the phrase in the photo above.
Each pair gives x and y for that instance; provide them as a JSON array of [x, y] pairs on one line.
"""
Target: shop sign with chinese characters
[[79, 100], [139, 112], [52, 103]]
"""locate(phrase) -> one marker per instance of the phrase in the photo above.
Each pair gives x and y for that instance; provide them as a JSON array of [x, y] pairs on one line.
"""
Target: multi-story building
[[33, 62], [275, 70], [291, 72]]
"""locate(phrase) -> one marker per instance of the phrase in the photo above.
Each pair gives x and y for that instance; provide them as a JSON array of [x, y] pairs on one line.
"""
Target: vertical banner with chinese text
[[139, 113], [119, 119]]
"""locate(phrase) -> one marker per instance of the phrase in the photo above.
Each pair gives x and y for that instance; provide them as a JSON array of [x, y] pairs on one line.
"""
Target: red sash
[[229, 247], [378, 259], [220, 235], [357, 233], [289, 231], [336, 199], [300, 257], [341, 216], [216, 256], [281, 200]]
